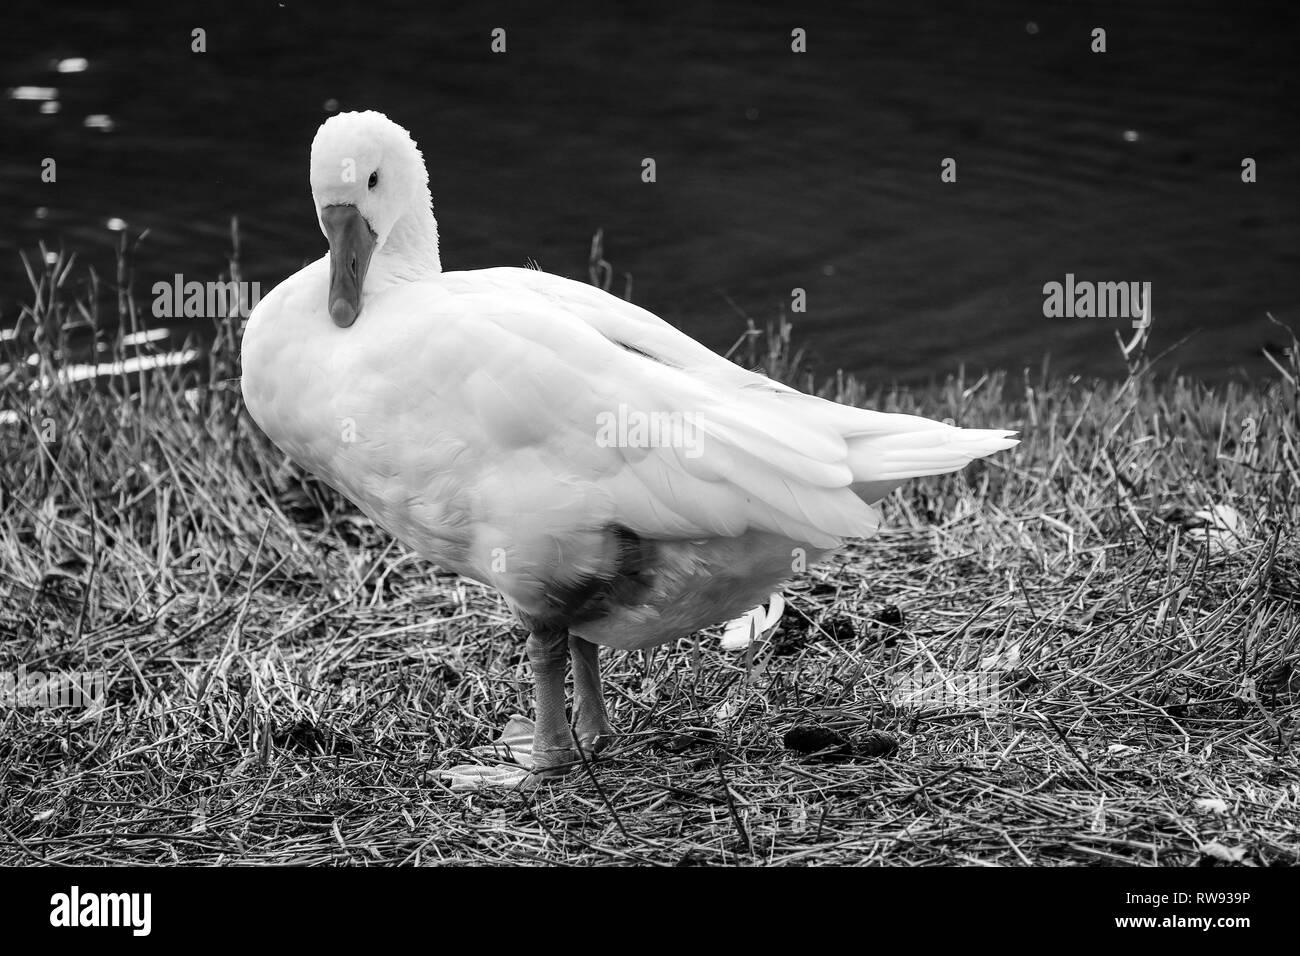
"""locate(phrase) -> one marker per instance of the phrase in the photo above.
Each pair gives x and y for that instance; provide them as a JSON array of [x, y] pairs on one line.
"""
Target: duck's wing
[[675, 452], [632, 327], [563, 387]]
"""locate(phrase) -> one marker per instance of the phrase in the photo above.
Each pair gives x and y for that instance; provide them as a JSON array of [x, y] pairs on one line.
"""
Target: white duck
[[616, 481]]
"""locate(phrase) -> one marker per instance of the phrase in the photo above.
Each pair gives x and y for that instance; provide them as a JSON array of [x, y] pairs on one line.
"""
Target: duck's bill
[[351, 243]]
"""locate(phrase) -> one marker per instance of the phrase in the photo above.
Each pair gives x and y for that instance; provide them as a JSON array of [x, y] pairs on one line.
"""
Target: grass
[[285, 683]]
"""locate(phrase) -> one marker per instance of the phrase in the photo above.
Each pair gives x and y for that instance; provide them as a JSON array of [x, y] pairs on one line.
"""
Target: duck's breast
[[358, 408]]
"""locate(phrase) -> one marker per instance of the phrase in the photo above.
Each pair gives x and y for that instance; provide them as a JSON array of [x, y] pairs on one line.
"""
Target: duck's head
[[371, 190]]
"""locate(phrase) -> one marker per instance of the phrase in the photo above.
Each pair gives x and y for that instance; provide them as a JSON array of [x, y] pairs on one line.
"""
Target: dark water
[[775, 170]]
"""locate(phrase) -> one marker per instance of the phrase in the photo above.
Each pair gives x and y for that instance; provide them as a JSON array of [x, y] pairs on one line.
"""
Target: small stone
[[817, 740], [890, 614], [878, 743]]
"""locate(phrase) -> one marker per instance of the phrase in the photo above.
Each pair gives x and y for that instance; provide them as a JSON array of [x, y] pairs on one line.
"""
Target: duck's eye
[[374, 179]]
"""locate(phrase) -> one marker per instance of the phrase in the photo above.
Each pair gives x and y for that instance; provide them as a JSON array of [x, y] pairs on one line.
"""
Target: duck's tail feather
[[899, 447]]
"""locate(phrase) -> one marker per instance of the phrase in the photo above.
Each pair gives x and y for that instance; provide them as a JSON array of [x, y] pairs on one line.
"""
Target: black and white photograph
[[726, 435]]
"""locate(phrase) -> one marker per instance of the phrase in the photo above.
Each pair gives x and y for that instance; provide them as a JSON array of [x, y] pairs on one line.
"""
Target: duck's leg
[[553, 753], [589, 717], [544, 747]]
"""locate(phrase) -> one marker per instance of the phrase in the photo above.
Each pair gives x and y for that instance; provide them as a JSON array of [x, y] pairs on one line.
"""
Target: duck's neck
[[411, 251]]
